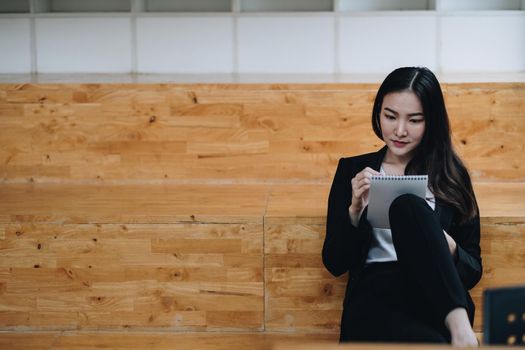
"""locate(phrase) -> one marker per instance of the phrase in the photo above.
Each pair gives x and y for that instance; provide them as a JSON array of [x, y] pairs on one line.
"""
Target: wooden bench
[[153, 340], [198, 211], [230, 133], [196, 257]]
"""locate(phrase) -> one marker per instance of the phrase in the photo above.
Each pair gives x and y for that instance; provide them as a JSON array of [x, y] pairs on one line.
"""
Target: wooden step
[[175, 257], [196, 258], [154, 340], [231, 132], [115, 204], [73, 340], [498, 202]]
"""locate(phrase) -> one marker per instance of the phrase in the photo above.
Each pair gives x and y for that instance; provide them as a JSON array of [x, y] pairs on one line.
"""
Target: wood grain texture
[[301, 295], [121, 257], [201, 207], [95, 276], [132, 203], [499, 202], [182, 256], [239, 133], [75, 340]]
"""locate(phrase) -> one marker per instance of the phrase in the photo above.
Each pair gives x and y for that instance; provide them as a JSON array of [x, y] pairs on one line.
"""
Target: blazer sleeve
[[343, 241], [468, 261]]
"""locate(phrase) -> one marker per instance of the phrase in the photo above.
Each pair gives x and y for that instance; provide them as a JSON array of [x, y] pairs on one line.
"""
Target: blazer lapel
[[378, 159]]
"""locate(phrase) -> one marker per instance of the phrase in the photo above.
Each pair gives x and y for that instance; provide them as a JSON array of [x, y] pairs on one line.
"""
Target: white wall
[[483, 43], [95, 45], [185, 44], [283, 44], [318, 42], [368, 44], [15, 45]]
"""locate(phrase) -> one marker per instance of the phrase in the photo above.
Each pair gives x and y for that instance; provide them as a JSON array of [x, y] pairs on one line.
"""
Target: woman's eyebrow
[[391, 110], [410, 114]]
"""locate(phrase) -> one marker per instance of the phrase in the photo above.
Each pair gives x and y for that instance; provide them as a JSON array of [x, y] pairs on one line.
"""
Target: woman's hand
[[360, 190], [452, 245]]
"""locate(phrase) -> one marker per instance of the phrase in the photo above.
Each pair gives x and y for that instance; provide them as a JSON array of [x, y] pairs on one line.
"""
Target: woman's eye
[[416, 120], [390, 117]]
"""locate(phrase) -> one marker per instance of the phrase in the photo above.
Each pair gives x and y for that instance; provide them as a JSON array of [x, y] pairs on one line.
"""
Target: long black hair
[[449, 179]]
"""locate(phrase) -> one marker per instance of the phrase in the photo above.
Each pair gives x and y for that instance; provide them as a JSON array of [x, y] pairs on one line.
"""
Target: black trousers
[[407, 300]]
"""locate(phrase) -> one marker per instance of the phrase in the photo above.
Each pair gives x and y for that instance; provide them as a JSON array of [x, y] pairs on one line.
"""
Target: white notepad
[[383, 191]]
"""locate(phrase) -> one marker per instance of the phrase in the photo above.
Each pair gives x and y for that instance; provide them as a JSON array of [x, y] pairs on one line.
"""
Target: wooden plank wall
[[233, 133], [182, 257], [98, 257], [93, 276], [169, 206]]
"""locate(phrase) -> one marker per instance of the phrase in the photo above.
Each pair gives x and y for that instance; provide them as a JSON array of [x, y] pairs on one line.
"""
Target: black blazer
[[346, 247]]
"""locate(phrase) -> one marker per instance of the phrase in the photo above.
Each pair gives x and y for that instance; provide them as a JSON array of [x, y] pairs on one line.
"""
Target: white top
[[382, 249]]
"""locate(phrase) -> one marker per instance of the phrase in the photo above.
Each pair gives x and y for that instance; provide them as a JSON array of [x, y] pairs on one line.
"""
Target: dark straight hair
[[449, 179]]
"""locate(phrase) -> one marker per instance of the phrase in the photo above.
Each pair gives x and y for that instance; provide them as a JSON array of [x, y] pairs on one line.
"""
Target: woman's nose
[[400, 129]]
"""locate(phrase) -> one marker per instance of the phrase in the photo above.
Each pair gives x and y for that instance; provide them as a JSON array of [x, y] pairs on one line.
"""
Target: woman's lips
[[399, 144]]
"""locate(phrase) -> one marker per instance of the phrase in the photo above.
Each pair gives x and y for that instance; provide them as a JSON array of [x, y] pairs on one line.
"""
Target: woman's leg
[[381, 310], [392, 327], [423, 252]]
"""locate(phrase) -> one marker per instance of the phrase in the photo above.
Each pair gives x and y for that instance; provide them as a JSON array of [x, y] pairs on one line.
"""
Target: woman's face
[[402, 123]]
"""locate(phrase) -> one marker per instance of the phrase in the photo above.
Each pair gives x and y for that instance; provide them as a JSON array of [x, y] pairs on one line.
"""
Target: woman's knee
[[404, 202], [406, 214]]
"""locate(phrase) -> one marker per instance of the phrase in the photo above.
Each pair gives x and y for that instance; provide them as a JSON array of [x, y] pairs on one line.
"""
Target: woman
[[408, 283]]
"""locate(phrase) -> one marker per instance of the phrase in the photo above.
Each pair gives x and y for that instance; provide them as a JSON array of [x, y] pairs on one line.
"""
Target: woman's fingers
[[358, 181], [361, 182], [366, 173], [370, 169], [361, 191], [360, 188], [369, 172], [357, 184]]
